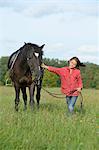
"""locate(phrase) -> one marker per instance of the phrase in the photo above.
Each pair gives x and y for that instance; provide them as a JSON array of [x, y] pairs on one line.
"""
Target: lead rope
[[55, 95], [81, 101]]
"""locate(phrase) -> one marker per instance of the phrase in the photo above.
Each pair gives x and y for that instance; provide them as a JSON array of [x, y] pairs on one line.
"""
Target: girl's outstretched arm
[[52, 69]]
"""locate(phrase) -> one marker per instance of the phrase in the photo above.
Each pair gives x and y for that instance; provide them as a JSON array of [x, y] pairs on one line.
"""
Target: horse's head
[[34, 60]]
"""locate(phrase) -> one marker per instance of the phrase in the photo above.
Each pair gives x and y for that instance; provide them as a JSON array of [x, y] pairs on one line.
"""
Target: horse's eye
[[36, 54]]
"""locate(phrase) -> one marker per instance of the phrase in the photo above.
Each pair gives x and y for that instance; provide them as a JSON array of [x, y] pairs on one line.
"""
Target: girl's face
[[72, 63]]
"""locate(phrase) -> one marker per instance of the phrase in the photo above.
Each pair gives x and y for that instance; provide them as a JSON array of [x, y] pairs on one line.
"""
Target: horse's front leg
[[31, 92], [17, 92], [23, 89], [38, 95], [39, 86]]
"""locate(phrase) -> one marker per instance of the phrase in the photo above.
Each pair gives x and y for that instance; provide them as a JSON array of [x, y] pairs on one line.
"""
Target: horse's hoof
[[25, 108], [32, 108], [16, 109], [38, 106]]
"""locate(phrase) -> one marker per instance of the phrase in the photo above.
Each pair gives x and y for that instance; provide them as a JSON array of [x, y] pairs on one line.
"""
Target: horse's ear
[[25, 43], [42, 46]]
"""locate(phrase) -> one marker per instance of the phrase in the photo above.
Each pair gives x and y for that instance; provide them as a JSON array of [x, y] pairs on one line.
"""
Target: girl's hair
[[78, 62]]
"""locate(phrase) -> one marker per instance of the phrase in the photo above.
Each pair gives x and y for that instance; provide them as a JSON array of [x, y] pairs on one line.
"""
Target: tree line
[[90, 73]]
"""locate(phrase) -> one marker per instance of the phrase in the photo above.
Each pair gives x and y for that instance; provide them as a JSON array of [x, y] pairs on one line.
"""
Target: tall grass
[[49, 128]]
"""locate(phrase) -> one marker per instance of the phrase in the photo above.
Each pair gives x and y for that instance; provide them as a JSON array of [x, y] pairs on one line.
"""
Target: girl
[[71, 82]]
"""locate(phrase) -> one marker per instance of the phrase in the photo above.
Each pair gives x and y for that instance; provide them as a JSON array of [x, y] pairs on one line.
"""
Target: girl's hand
[[44, 66], [79, 89]]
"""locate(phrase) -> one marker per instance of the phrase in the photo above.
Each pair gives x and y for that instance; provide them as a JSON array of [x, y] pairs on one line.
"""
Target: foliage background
[[90, 73]]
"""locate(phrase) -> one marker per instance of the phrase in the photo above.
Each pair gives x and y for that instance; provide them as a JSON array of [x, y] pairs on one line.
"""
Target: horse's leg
[[38, 95], [17, 92], [23, 89], [31, 92]]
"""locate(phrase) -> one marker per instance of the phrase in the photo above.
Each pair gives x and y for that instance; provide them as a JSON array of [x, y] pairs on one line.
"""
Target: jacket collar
[[71, 68]]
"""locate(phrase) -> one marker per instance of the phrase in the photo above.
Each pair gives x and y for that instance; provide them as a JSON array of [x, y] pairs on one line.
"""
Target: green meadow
[[49, 127]]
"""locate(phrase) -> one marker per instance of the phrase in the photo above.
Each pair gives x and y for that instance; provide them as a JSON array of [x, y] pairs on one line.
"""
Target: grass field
[[49, 128]]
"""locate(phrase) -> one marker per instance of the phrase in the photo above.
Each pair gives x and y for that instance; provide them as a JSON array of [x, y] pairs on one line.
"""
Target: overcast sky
[[67, 27]]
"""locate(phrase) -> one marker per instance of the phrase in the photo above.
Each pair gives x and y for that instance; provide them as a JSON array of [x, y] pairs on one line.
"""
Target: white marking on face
[[36, 54], [39, 68]]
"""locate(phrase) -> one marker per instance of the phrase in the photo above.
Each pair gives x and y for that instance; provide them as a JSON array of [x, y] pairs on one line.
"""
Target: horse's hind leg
[[23, 89], [17, 92]]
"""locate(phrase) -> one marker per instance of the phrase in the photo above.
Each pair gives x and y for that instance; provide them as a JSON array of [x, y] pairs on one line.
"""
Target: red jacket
[[69, 82]]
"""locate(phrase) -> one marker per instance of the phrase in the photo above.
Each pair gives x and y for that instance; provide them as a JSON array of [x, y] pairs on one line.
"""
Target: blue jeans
[[71, 100]]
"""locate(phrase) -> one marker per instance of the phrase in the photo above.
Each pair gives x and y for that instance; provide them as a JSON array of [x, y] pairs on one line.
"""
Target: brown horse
[[25, 71]]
